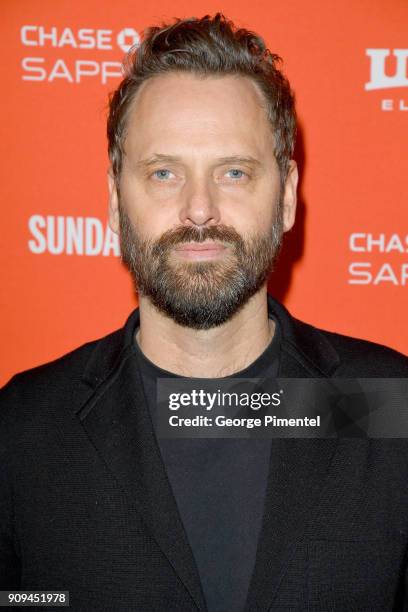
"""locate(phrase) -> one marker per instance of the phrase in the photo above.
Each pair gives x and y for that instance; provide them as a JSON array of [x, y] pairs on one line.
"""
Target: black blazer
[[85, 504]]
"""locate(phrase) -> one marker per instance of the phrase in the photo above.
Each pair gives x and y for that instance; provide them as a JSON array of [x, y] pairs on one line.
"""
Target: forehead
[[182, 110]]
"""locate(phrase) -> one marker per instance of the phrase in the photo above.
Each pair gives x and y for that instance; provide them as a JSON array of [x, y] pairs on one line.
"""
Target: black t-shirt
[[219, 486]]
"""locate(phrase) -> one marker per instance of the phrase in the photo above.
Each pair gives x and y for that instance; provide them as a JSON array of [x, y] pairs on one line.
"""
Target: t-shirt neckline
[[270, 353]]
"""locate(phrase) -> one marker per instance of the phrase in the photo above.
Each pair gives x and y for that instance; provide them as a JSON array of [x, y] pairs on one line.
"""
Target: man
[[202, 186]]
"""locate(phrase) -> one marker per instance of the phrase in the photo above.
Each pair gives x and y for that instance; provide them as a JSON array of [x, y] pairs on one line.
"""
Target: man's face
[[200, 212]]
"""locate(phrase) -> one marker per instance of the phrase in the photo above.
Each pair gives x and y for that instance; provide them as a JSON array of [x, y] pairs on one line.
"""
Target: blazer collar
[[307, 352], [112, 408]]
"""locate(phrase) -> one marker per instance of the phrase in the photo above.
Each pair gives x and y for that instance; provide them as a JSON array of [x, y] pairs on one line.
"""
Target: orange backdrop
[[344, 266]]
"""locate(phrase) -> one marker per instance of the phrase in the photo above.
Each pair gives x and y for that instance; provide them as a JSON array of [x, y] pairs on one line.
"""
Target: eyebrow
[[231, 159]]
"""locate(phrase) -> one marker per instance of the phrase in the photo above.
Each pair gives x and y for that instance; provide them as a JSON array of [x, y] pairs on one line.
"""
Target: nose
[[199, 205]]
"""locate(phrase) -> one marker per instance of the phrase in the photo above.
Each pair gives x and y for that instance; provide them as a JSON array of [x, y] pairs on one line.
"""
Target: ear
[[290, 196], [113, 211]]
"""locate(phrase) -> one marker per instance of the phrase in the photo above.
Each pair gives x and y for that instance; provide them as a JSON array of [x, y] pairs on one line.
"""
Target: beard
[[200, 294]]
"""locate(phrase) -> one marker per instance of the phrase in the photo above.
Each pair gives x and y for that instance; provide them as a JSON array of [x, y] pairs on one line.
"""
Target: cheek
[[269, 207], [163, 192], [143, 211], [254, 215]]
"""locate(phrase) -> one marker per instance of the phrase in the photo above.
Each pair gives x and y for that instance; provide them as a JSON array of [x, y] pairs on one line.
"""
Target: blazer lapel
[[114, 412], [297, 472], [118, 423], [298, 469]]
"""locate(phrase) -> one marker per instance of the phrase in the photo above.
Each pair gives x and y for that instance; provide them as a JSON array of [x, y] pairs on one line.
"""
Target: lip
[[202, 250], [202, 246]]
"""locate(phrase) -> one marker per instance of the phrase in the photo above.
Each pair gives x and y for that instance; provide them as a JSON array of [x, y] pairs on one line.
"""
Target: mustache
[[183, 234]]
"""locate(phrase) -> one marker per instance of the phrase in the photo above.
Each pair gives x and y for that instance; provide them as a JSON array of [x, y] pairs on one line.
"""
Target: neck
[[211, 353]]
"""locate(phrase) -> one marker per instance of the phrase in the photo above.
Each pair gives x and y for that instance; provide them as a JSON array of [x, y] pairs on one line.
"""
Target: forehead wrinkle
[[160, 157], [150, 99], [203, 141]]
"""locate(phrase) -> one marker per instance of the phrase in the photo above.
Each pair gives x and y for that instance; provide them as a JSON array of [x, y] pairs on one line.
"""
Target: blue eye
[[162, 174], [237, 174]]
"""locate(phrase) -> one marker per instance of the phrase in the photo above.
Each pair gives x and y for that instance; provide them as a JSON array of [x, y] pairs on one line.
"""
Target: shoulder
[[333, 354], [358, 357], [55, 384]]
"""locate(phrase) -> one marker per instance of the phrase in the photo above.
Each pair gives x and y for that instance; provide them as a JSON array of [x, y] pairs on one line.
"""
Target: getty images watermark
[[282, 408]]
